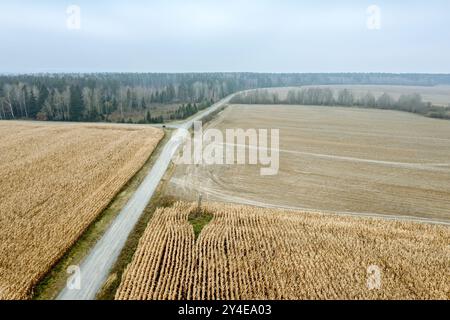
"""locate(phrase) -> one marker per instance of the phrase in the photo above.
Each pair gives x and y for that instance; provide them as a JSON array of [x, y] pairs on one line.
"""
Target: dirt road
[[96, 266]]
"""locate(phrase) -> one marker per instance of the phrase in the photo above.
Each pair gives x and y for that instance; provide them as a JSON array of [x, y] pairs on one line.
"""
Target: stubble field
[[55, 179], [333, 159], [257, 253]]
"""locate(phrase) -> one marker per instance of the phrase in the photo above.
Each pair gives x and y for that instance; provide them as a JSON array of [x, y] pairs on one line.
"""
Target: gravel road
[[96, 266]]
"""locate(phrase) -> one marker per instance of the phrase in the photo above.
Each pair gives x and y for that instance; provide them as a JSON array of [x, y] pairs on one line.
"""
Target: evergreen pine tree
[[76, 104], [33, 105], [43, 95]]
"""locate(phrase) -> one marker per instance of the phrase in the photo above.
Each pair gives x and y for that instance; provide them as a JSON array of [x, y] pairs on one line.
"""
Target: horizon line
[[215, 72]]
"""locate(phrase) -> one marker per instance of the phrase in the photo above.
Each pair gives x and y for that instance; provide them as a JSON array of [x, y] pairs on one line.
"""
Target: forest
[[140, 97]]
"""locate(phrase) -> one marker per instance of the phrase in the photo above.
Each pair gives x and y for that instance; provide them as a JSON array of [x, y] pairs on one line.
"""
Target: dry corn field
[[55, 179], [255, 253]]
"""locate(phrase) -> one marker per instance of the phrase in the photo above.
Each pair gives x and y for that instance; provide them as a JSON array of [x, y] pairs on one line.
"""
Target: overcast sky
[[225, 35]]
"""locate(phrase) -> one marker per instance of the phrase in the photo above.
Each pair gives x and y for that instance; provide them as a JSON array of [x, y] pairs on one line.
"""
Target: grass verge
[[198, 219], [108, 291]]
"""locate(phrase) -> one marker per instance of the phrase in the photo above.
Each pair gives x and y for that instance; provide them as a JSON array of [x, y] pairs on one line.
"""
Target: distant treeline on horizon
[[411, 102], [96, 96]]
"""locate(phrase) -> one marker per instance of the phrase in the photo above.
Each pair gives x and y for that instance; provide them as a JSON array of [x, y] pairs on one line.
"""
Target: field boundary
[[159, 199], [55, 279], [242, 201]]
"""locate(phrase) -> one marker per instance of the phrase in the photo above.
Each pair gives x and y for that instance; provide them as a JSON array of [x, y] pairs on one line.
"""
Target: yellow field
[[55, 179], [255, 253]]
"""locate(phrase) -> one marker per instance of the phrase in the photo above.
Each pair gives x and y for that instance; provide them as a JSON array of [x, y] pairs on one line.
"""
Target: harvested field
[[361, 161], [55, 179], [256, 253]]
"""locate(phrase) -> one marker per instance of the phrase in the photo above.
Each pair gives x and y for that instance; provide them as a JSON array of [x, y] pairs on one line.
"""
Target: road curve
[[96, 266]]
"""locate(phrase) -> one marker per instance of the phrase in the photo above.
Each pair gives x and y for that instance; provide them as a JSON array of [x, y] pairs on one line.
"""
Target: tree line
[[76, 103], [182, 112], [95, 97], [345, 97]]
